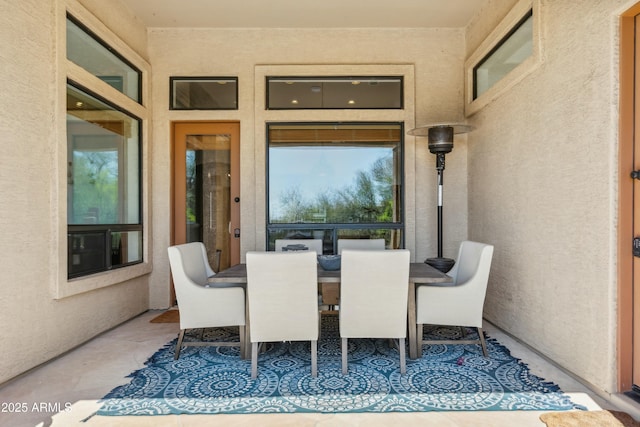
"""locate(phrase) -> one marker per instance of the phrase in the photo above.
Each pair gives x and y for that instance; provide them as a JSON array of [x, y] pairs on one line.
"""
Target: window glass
[[104, 158], [513, 50], [103, 188], [294, 93], [334, 178], [204, 93], [87, 51]]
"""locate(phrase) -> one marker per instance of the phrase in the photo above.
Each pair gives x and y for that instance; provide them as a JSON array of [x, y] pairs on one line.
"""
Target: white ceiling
[[306, 13]]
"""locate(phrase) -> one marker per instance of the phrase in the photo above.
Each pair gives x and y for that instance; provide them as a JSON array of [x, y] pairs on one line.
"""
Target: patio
[[538, 178], [81, 377]]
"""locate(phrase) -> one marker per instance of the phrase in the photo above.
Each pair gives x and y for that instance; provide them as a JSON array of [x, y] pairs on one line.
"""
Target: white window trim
[[513, 18], [60, 286]]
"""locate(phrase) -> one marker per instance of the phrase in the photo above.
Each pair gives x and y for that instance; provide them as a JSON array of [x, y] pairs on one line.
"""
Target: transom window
[[203, 93], [298, 93], [510, 52], [335, 180], [101, 60]]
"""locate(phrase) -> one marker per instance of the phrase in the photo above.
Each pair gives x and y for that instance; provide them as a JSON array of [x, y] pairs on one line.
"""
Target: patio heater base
[[442, 264]]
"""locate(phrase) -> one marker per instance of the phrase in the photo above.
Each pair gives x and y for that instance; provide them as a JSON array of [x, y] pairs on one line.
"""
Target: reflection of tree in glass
[[369, 199], [295, 209], [191, 186], [95, 187]]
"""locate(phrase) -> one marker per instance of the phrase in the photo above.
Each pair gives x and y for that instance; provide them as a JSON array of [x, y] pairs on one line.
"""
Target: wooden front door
[[206, 189]]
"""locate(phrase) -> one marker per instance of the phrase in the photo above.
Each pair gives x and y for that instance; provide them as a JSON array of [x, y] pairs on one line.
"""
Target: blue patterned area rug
[[213, 380]]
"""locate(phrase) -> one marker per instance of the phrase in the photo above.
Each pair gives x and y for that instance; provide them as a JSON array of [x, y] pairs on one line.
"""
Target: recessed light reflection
[[294, 101], [351, 102]]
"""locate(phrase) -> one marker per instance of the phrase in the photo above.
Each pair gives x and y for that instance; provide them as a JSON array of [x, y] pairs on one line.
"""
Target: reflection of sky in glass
[[316, 170]]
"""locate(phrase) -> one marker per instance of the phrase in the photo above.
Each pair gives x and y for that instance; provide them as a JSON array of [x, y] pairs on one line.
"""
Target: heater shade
[[424, 130]]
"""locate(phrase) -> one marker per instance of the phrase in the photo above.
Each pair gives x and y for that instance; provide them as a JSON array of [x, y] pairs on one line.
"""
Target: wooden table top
[[419, 272]]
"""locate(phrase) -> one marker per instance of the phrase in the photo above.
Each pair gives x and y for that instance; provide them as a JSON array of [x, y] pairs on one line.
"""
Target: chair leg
[[345, 347], [482, 342], [314, 358], [419, 339], [254, 360], [241, 335], [403, 361], [179, 344], [463, 331]]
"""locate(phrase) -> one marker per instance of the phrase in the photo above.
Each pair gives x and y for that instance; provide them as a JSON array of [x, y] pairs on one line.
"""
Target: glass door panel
[[208, 187]]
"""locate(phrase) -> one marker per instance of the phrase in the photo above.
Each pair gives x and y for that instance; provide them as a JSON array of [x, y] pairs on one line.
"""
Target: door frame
[[178, 210], [626, 138]]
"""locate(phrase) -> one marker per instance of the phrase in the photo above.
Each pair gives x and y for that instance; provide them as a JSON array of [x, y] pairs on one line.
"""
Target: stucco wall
[[36, 327], [542, 189], [437, 56]]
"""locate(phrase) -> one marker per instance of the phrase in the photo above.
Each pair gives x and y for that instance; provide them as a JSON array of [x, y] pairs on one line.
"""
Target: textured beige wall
[[36, 327], [437, 58], [542, 189]]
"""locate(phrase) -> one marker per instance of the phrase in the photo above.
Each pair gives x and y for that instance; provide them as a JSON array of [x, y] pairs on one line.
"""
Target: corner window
[[507, 56], [103, 185], [335, 180], [89, 52], [510, 52]]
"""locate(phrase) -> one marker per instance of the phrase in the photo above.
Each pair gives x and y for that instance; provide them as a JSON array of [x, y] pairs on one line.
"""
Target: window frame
[[113, 51], [511, 22], [330, 79], [109, 228], [60, 285], [182, 79], [333, 228], [495, 49]]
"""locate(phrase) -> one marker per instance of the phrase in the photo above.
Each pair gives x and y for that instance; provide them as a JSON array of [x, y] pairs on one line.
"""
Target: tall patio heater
[[440, 143]]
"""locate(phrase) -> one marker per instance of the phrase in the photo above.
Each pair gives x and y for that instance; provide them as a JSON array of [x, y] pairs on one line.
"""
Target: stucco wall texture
[[536, 178], [37, 327], [542, 189]]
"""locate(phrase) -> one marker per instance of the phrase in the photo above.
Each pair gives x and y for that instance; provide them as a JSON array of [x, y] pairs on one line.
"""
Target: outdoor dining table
[[419, 274]]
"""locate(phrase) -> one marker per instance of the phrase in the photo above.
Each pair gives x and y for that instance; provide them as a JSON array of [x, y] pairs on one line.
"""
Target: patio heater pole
[[440, 169], [440, 143]]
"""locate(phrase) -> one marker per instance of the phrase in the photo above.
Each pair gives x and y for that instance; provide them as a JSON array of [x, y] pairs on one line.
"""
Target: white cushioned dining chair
[[203, 304], [310, 244], [282, 291], [328, 294], [461, 304], [374, 289], [361, 244]]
